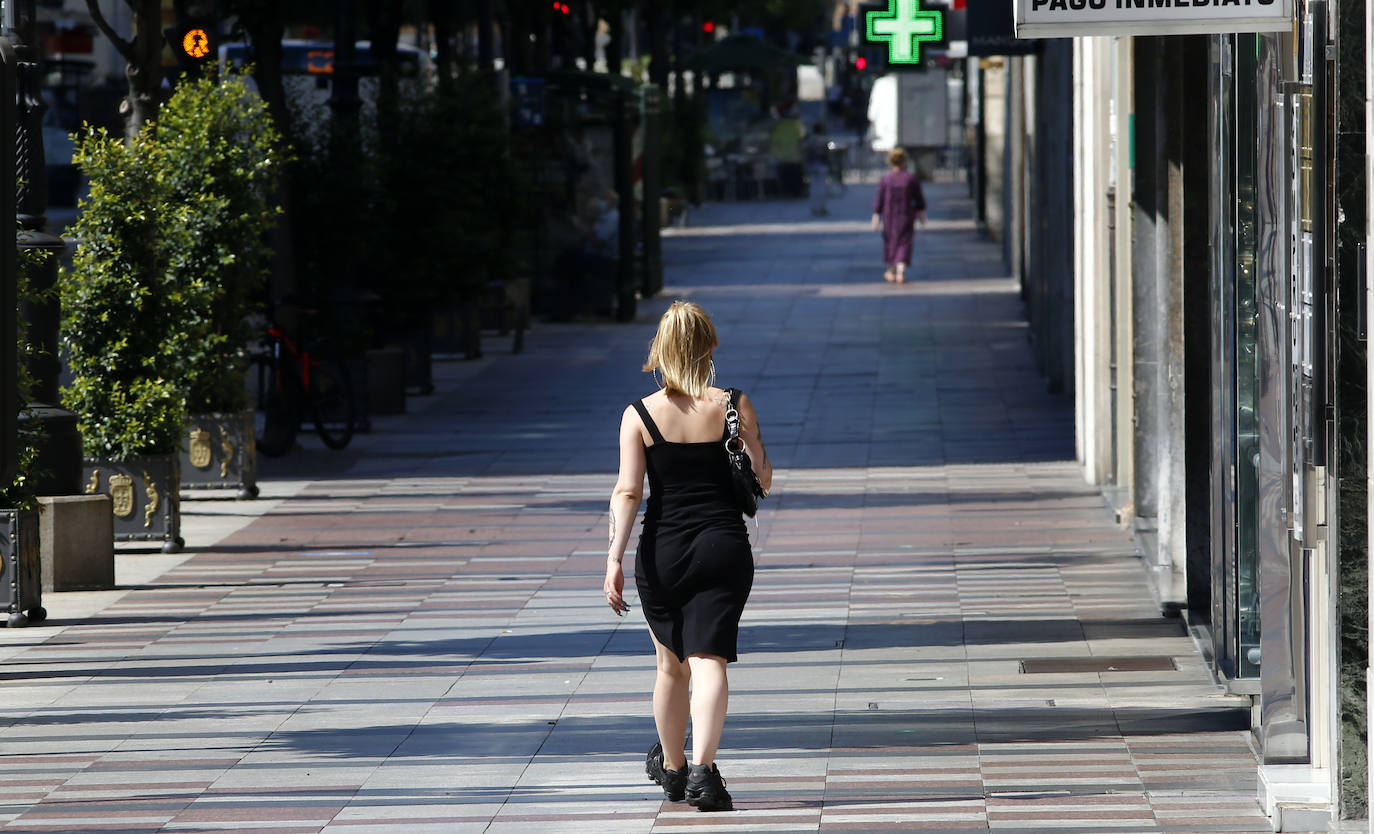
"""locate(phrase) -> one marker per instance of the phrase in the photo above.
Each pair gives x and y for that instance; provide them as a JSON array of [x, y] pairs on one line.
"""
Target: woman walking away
[[694, 567], [896, 210]]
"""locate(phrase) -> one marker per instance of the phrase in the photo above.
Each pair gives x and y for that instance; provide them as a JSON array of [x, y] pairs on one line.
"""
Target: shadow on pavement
[[476, 653], [881, 733]]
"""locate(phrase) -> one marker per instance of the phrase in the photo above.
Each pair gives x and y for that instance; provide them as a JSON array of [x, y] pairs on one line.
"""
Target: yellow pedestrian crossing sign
[[905, 27]]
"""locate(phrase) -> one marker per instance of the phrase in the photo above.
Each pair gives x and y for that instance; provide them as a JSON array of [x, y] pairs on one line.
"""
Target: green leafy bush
[[128, 322], [448, 194], [422, 217], [217, 155], [170, 254], [19, 492]]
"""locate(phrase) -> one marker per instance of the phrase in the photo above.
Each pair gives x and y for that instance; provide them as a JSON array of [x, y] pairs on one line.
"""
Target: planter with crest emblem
[[144, 497], [21, 567], [217, 452]]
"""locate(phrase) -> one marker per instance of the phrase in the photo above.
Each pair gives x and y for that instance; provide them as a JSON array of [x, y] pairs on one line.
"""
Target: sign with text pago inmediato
[[1066, 18]]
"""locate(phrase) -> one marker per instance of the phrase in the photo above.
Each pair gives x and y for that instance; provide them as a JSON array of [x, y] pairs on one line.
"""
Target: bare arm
[[752, 434], [625, 500]]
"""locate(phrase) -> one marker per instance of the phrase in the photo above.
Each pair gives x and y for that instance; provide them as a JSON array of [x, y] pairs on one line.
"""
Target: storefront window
[[1246, 365]]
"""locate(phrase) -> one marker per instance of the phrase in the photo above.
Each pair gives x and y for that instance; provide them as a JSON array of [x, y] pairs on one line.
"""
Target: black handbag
[[746, 485]]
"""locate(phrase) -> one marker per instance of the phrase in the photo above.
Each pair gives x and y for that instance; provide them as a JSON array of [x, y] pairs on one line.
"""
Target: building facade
[[1211, 290]]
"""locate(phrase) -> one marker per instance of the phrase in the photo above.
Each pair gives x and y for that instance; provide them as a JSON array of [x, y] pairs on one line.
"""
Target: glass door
[[1235, 618], [1246, 379]]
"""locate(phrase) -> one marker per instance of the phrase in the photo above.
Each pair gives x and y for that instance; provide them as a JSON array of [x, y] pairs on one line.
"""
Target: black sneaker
[[706, 789], [673, 782]]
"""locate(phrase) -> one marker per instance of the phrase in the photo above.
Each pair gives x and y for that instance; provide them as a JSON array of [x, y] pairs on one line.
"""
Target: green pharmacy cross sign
[[904, 26]]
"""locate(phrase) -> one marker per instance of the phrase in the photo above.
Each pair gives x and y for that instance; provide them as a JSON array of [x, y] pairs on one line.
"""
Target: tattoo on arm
[[612, 542]]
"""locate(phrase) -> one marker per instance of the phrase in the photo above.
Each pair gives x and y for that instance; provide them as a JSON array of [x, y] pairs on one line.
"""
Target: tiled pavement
[[412, 638]]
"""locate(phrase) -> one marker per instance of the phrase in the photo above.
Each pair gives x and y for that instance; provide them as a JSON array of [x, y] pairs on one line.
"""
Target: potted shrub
[[217, 153], [131, 326], [456, 156], [429, 236], [20, 572]]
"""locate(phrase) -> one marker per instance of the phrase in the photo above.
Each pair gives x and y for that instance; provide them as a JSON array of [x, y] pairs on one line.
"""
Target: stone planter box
[[502, 306], [386, 381], [144, 495], [21, 567], [418, 346], [76, 542], [218, 452], [358, 376]]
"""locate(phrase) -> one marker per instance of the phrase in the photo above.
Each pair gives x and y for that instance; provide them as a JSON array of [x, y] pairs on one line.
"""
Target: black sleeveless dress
[[694, 567]]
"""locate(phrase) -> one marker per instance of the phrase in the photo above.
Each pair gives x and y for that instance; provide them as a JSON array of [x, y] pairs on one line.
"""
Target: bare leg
[[888, 275], [670, 705], [710, 697], [901, 272]]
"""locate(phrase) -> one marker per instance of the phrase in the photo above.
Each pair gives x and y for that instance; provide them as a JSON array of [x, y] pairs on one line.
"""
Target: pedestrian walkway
[[947, 631]]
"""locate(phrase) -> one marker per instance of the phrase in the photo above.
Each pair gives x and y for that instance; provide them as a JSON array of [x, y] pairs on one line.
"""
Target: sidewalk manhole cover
[[1071, 665]]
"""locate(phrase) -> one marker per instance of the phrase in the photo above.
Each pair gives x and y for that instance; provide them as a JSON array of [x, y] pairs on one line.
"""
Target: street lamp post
[[9, 313], [345, 102], [343, 98], [59, 458]]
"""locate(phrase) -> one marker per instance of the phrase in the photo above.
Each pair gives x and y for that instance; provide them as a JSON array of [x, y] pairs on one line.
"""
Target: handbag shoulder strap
[[732, 415]]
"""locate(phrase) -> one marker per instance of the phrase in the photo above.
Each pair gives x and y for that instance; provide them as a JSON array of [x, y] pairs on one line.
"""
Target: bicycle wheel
[[331, 397], [277, 415]]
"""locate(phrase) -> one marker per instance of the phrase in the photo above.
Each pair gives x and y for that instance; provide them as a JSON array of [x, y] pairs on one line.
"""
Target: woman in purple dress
[[896, 210]]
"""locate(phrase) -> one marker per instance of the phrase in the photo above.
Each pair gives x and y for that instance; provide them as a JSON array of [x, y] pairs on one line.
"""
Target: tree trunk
[[442, 14], [679, 89], [266, 27], [658, 53], [486, 53], [384, 28], [343, 95], [514, 29], [615, 45], [144, 71], [590, 17], [266, 33], [142, 54], [540, 24]]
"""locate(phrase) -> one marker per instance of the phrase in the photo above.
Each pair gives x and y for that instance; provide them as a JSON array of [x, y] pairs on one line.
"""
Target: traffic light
[[869, 60], [195, 37]]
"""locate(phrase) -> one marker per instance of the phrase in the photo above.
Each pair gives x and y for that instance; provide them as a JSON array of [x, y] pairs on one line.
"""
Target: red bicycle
[[291, 385]]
